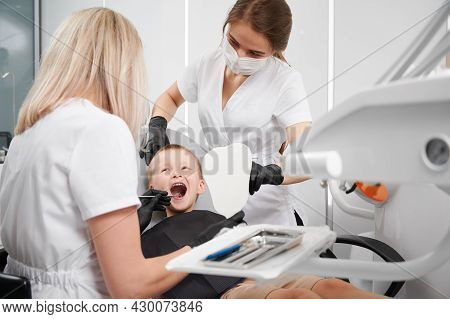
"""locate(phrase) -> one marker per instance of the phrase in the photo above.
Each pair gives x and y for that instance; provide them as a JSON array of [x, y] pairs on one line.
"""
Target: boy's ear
[[201, 187]]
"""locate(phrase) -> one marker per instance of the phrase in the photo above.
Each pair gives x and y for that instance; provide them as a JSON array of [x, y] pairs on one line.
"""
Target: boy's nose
[[176, 174]]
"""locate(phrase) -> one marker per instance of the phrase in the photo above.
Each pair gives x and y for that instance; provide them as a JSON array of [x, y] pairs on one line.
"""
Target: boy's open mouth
[[178, 190]]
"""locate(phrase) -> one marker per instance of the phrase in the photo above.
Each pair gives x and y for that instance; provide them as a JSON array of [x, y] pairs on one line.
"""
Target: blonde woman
[[68, 188]]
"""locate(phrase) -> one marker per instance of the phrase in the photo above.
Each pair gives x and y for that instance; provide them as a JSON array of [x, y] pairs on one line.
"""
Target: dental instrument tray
[[255, 249], [258, 251]]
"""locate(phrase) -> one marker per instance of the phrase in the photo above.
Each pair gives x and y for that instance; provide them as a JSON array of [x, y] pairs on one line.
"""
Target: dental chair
[[12, 287], [384, 251]]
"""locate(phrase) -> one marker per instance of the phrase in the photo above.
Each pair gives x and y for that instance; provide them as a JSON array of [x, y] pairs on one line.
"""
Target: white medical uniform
[[256, 115], [76, 163]]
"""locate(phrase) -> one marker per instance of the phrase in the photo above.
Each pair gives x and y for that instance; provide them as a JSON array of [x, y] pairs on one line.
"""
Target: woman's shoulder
[[211, 54], [80, 121], [210, 58], [287, 77], [285, 71], [95, 118]]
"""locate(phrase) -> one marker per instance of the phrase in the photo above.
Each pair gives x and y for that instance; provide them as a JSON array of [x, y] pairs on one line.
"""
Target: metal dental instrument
[[151, 196]]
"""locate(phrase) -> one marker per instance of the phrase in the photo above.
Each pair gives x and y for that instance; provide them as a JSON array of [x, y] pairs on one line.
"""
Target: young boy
[[176, 171]]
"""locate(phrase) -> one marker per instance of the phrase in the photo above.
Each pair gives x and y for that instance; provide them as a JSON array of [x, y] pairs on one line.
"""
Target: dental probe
[[151, 196]]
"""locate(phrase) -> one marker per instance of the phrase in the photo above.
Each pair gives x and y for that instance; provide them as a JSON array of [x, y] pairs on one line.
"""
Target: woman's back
[[41, 201]]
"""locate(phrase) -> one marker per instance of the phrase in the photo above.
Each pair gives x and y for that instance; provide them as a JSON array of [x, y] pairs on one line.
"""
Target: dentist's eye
[[164, 170], [185, 168]]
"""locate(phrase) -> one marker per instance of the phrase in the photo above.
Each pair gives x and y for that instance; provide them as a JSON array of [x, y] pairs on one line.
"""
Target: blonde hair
[[95, 52]]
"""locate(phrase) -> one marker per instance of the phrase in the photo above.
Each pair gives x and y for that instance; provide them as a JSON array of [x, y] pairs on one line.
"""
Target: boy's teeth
[[178, 190]]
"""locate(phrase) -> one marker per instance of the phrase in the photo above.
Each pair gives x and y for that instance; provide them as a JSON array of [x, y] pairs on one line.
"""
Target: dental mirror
[[226, 171]]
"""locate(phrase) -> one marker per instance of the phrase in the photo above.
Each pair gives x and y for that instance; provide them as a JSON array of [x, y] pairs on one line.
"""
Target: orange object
[[376, 192]]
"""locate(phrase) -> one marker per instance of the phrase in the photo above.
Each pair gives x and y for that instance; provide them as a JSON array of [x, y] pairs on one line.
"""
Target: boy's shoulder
[[203, 217], [189, 221], [197, 213], [177, 231]]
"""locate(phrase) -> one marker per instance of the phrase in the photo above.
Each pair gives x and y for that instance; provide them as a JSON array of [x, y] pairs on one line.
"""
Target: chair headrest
[[226, 171]]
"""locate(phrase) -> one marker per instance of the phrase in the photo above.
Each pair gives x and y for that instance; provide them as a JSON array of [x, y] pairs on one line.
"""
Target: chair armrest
[[386, 252], [14, 287]]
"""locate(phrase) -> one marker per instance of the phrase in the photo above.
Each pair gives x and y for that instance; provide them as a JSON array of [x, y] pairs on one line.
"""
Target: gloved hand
[[149, 205], [214, 229], [259, 175], [156, 138]]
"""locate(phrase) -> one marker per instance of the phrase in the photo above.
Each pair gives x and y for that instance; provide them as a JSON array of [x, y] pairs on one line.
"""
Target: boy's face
[[176, 171]]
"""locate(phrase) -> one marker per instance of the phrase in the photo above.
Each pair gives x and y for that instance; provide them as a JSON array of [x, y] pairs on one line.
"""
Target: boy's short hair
[[177, 147]]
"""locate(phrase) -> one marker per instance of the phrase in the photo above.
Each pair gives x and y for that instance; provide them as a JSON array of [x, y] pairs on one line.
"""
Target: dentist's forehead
[[247, 37]]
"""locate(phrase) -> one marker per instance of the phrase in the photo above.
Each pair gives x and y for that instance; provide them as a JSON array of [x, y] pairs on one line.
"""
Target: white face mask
[[238, 65]]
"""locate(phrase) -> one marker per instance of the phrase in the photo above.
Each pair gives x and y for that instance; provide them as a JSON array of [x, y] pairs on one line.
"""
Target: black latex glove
[[214, 229], [270, 174], [155, 139], [149, 205]]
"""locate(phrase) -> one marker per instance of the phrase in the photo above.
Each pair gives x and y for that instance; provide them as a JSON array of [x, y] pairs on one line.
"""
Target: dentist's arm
[[167, 103], [294, 133], [273, 174], [164, 110], [126, 272]]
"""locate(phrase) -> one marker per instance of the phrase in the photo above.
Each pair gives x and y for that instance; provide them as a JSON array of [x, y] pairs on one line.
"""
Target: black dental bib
[[175, 232]]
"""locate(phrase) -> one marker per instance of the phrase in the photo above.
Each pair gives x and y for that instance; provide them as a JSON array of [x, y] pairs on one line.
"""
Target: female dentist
[[68, 190], [246, 93]]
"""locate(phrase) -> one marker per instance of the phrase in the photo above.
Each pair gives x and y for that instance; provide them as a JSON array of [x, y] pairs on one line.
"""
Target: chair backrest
[[14, 287]]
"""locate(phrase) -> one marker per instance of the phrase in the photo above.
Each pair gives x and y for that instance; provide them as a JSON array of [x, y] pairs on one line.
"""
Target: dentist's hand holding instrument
[[152, 200]]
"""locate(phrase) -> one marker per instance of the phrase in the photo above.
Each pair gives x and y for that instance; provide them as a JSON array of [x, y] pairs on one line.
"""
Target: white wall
[[160, 25], [363, 27]]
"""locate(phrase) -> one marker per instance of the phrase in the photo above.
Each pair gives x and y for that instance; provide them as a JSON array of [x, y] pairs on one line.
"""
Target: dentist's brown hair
[[271, 18]]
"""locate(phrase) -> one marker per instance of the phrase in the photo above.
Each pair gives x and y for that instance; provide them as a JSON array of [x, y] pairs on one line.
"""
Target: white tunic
[[256, 115], [76, 163]]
